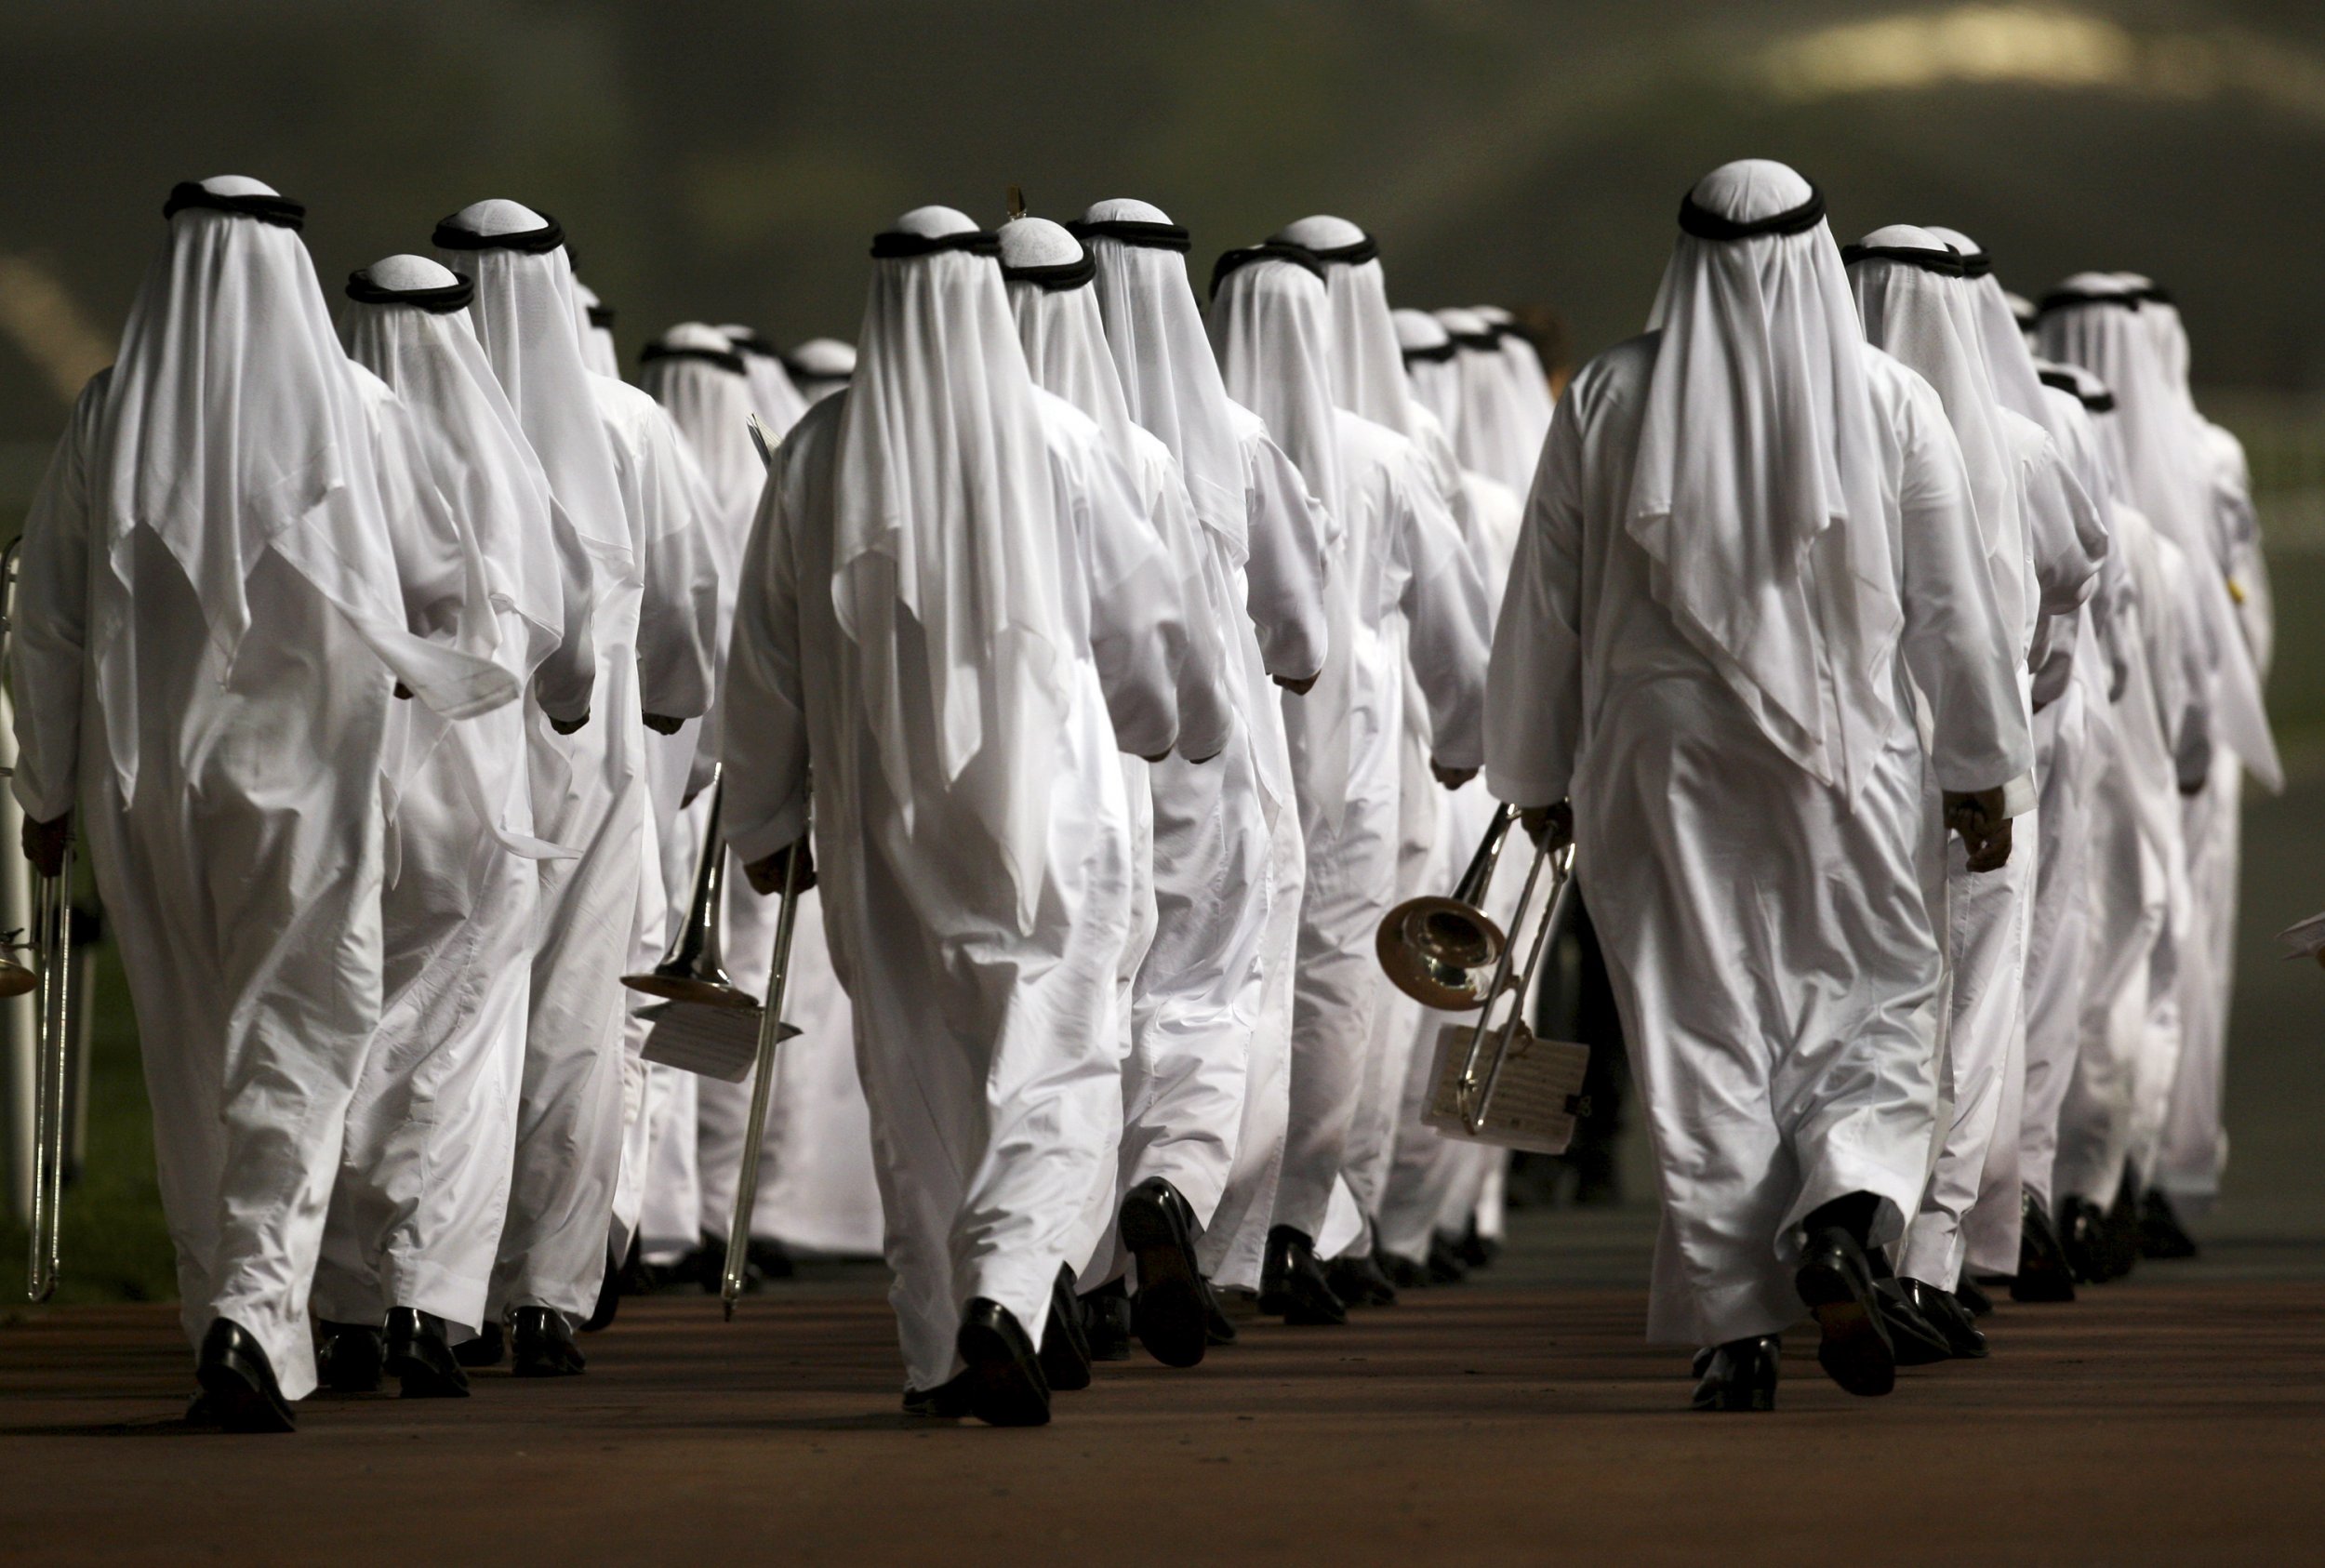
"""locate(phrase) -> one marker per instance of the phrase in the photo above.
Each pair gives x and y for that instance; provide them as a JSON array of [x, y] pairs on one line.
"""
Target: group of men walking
[[1099, 670]]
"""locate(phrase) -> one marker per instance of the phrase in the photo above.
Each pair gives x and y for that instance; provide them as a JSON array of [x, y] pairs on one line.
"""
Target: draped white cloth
[[597, 338], [214, 592], [1367, 366], [1429, 365], [1758, 491], [820, 366], [1780, 1019], [774, 397], [1529, 383], [1493, 434]]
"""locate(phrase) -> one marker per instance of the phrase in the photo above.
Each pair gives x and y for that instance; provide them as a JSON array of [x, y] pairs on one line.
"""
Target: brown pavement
[[2179, 1416]]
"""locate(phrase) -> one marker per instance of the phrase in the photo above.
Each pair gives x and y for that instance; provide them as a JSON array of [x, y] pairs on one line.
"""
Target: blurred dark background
[[728, 159]]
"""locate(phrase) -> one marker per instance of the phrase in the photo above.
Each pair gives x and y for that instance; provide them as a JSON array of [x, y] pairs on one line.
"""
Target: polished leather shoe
[[1217, 1327], [1476, 1249], [198, 1411], [1358, 1281], [351, 1357], [2160, 1233], [541, 1346], [238, 1381], [1403, 1273], [2082, 1237], [1106, 1321], [1292, 1284], [1944, 1311], [1837, 1285], [1912, 1338], [948, 1401], [1169, 1309], [2043, 1274], [623, 1276], [420, 1353], [486, 1349], [2122, 1227], [1973, 1298], [1445, 1267], [1005, 1385], [1065, 1349], [1740, 1374]]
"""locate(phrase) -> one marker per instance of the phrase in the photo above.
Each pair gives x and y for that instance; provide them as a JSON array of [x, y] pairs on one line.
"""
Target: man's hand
[[662, 723], [766, 874], [1977, 816], [566, 727], [1550, 827], [1297, 688], [1452, 778], [44, 843]]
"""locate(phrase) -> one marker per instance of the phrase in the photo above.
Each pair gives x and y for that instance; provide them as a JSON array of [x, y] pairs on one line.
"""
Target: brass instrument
[[694, 970], [1436, 949], [773, 1031], [1517, 1091]]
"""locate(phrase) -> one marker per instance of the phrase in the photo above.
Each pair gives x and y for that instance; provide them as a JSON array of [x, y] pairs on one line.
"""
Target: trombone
[[1436, 949], [694, 969], [1480, 1072], [772, 1032]]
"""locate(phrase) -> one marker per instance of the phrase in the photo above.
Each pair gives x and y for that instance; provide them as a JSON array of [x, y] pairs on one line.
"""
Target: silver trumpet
[[1438, 949], [771, 1033]]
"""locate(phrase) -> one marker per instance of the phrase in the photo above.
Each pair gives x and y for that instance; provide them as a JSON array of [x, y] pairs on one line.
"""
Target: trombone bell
[[17, 979], [1440, 952], [692, 971]]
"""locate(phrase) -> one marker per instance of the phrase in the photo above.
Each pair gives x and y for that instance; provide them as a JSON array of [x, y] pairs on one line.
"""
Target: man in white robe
[[424, 1184], [820, 366], [596, 326], [774, 397], [922, 626], [214, 608], [1267, 541], [1398, 563], [1754, 452], [610, 465]]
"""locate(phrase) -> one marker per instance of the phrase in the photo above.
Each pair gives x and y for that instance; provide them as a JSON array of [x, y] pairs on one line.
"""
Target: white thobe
[[1780, 1017], [1412, 591], [653, 626], [987, 1052]]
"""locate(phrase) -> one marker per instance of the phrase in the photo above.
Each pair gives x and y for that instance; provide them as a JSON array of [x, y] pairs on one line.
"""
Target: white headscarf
[[1429, 364], [2008, 362], [1916, 306], [410, 325], [1048, 279], [596, 326], [1527, 377], [692, 371], [234, 426], [526, 318], [1491, 437], [819, 367], [1756, 452], [776, 401], [945, 514], [1271, 331], [1367, 368], [1170, 378]]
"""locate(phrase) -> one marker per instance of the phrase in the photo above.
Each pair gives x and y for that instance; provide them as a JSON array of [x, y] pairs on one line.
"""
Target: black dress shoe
[[1005, 1385], [1740, 1374], [2082, 1238], [1403, 1273], [1358, 1281], [1445, 1267], [2122, 1227], [1476, 1249], [1169, 1309], [238, 1381], [770, 1260], [351, 1357], [1973, 1298], [420, 1355], [1837, 1285], [541, 1346], [2043, 1273], [1065, 1349], [1946, 1313], [1912, 1338], [1106, 1321], [198, 1411], [2160, 1233], [610, 1290], [486, 1349], [1217, 1327], [947, 1401], [1292, 1284]]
